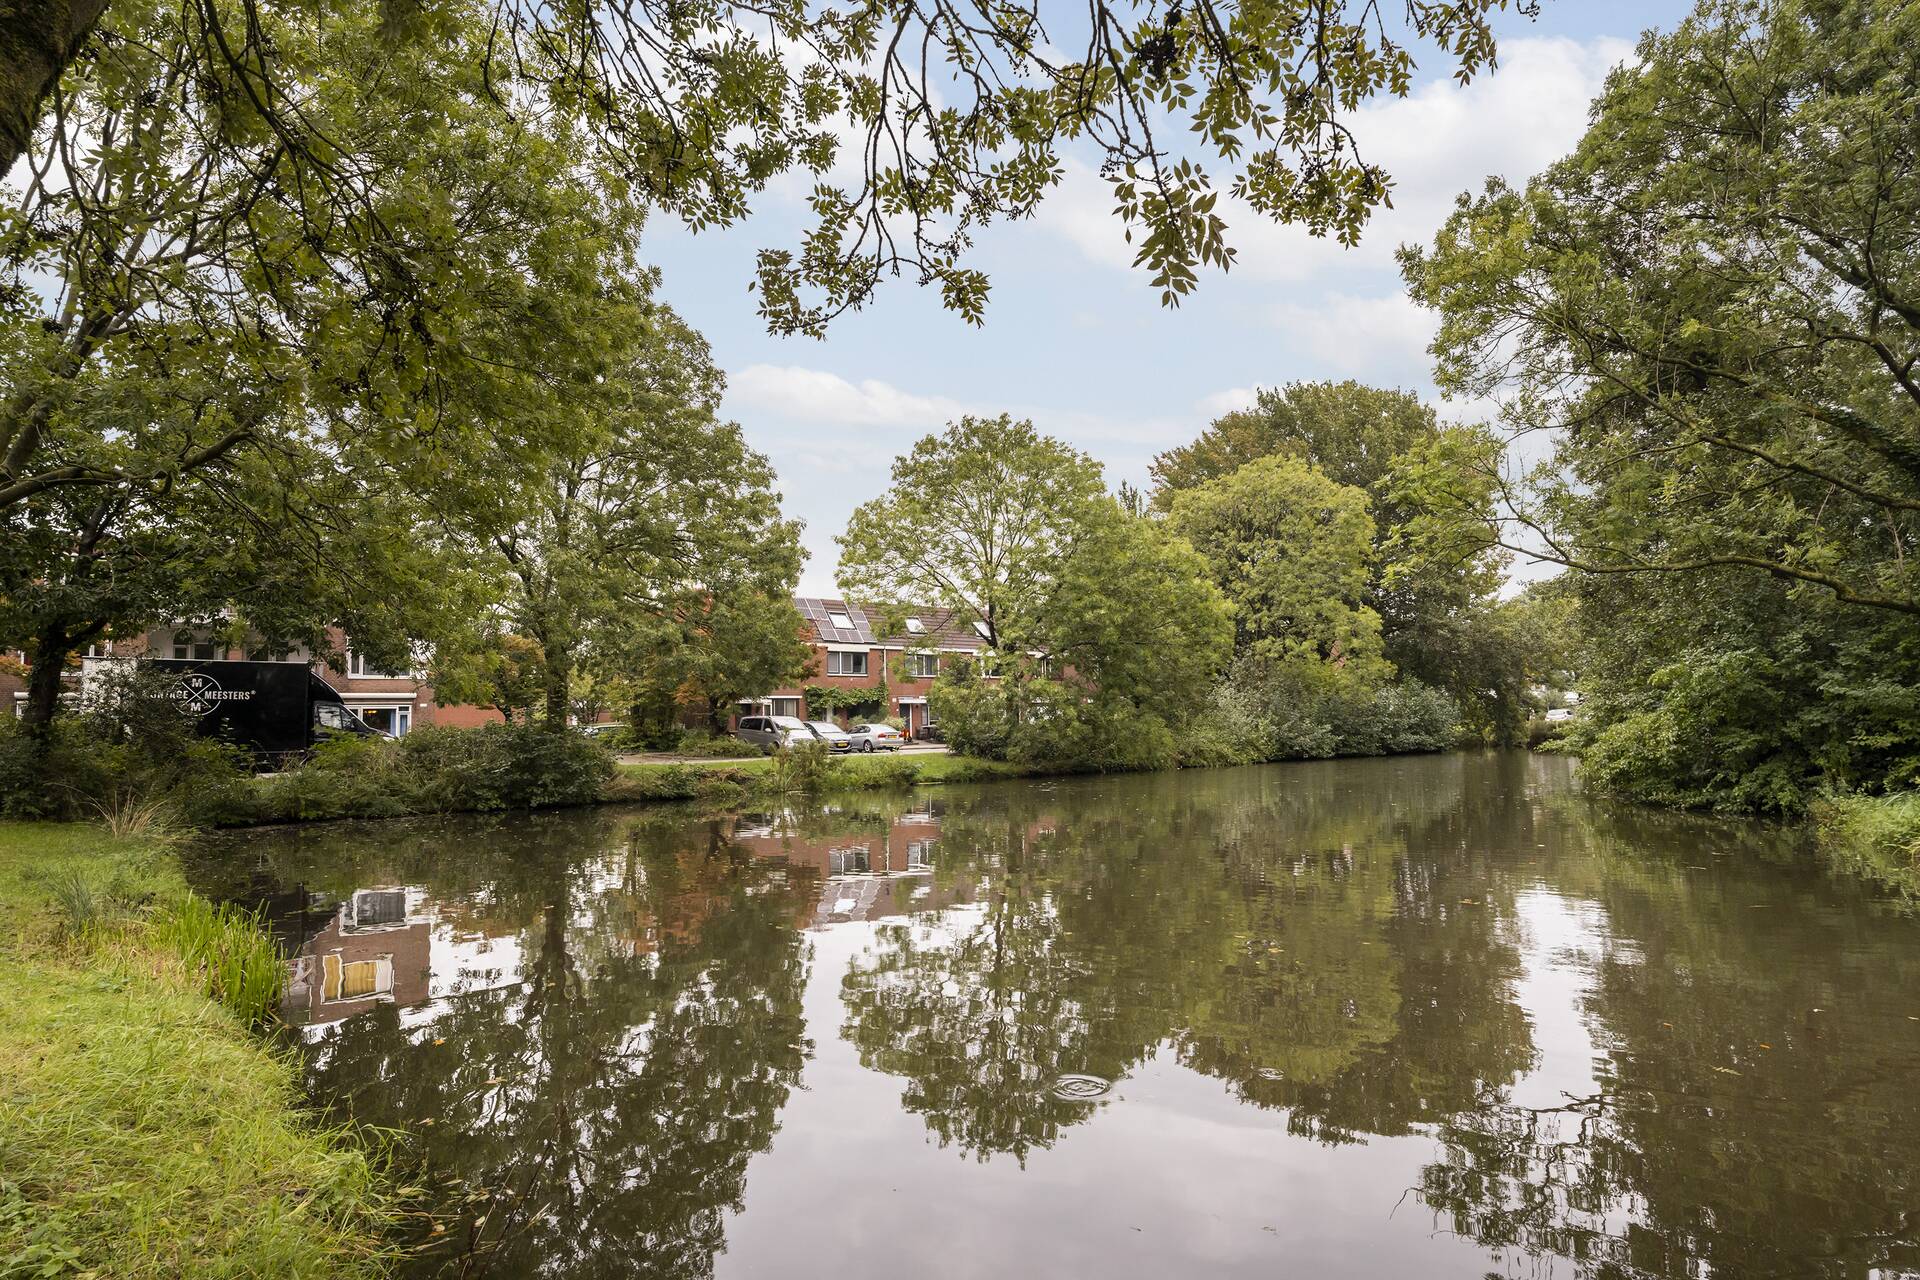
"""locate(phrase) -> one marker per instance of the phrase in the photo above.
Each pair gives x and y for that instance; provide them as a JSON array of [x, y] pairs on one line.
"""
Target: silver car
[[773, 731], [832, 734], [876, 737]]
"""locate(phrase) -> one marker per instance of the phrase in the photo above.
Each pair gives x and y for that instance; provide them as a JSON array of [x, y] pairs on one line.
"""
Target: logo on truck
[[197, 693]]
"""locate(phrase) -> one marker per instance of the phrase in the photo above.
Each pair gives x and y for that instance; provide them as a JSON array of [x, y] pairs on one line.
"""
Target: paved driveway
[[667, 757]]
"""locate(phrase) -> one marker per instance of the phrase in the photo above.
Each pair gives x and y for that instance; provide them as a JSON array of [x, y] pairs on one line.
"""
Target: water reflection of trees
[[1268, 927], [598, 1112], [1755, 1113], [1344, 943]]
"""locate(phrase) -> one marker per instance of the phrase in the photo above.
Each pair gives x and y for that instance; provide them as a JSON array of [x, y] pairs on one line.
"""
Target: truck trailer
[[273, 709]]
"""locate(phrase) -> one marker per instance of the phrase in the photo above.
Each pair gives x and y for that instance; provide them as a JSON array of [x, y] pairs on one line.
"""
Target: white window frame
[[923, 666], [840, 656]]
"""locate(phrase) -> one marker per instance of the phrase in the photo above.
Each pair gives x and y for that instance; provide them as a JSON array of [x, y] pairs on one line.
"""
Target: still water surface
[[1420, 1017]]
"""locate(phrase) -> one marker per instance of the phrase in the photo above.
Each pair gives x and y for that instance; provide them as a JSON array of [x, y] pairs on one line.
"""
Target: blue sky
[[1077, 340]]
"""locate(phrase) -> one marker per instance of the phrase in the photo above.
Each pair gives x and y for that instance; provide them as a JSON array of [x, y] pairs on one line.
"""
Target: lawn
[[721, 779], [144, 1131]]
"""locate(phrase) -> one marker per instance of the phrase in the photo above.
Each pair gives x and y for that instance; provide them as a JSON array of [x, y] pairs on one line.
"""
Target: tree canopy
[[1290, 549], [918, 124], [1102, 628], [980, 519], [631, 535], [1710, 306], [219, 404]]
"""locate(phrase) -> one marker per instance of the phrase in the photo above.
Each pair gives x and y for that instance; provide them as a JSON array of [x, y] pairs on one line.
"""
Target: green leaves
[[1711, 305], [1290, 549]]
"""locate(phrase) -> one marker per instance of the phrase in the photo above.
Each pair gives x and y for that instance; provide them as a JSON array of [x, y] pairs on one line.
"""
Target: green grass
[[143, 1131], [731, 779], [1877, 835]]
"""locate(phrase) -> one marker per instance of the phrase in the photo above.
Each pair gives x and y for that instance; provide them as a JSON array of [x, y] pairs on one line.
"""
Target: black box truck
[[274, 709]]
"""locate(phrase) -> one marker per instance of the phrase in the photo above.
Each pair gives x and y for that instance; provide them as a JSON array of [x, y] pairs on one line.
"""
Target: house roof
[[941, 628]]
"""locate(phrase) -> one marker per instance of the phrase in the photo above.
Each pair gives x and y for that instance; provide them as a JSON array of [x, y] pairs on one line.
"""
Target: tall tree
[[737, 642], [213, 408], [1730, 351], [1290, 548], [660, 507], [1711, 306], [1435, 597], [1099, 624], [1352, 432], [958, 114], [980, 519]]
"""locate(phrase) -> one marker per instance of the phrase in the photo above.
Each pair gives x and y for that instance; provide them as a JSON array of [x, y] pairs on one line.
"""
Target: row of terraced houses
[[849, 653]]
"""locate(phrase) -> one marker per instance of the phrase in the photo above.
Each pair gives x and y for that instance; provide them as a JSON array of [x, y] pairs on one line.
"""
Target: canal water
[[1417, 1017]]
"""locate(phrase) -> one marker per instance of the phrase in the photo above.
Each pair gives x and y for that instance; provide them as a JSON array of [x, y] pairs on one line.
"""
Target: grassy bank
[[143, 1130], [764, 776], [1878, 836]]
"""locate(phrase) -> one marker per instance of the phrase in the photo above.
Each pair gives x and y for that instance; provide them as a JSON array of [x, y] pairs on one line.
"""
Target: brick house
[[849, 654]]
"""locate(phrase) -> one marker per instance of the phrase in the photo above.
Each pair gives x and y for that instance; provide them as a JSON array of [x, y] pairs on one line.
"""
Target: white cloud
[[1227, 401], [815, 396], [1381, 339], [1440, 140]]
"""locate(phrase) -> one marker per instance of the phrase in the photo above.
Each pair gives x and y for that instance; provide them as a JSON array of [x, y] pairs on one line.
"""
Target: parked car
[[832, 734], [769, 732], [929, 733], [1559, 715], [602, 730], [876, 737]]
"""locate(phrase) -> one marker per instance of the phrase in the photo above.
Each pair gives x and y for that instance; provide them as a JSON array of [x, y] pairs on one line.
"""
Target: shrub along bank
[[1878, 836], [143, 1130]]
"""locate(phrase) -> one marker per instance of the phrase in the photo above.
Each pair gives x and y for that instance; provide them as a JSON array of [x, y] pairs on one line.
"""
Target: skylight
[[840, 620], [915, 627], [981, 627]]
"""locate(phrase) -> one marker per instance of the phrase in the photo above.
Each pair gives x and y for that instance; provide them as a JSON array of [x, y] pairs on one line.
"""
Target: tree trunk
[[559, 685], [43, 683], [38, 38]]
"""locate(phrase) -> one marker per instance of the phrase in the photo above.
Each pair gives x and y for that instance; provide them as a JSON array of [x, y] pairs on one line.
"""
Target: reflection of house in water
[[865, 871], [375, 949]]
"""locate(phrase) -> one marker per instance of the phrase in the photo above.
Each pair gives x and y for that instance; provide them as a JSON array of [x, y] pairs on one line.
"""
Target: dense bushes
[[1050, 724], [498, 766], [128, 746], [1256, 715], [1303, 714], [700, 743], [98, 763]]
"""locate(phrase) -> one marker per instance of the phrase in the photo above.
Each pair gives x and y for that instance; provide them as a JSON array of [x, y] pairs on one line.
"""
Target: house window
[[786, 707], [915, 627], [193, 650], [357, 665], [393, 720], [923, 666], [355, 979], [980, 629], [379, 906], [846, 664], [848, 862], [261, 653], [840, 620]]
